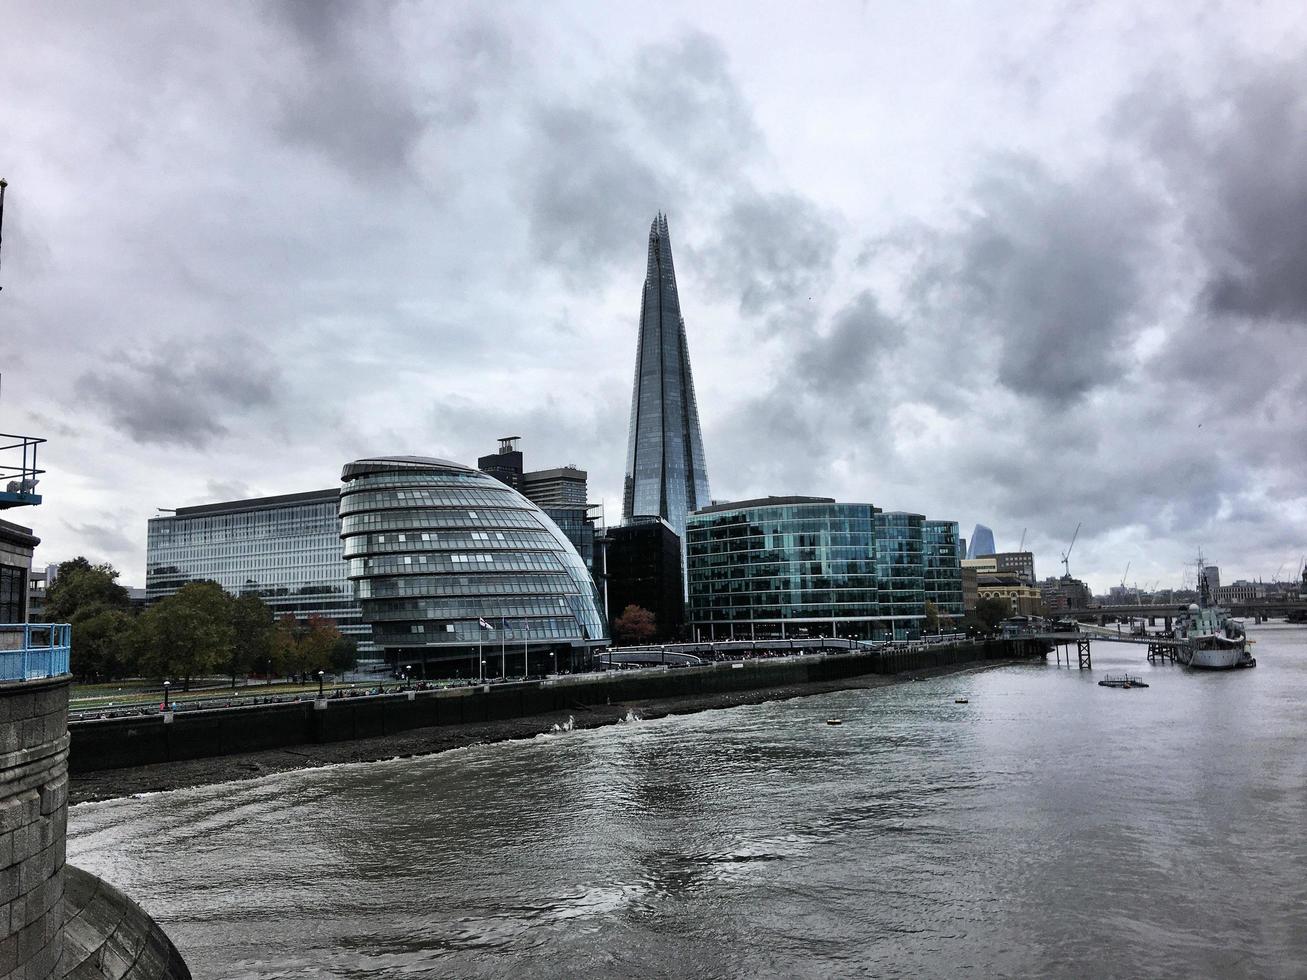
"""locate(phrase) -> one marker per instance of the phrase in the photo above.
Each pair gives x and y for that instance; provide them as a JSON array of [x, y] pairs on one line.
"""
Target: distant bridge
[[1169, 610]]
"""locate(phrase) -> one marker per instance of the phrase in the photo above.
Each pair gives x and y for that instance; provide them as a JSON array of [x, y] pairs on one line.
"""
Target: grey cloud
[[179, 395], [688, 101], [103, 539], [1234, 159], [589, 191], [774, 254], [847, 354], [1050, 269], [350, 102]]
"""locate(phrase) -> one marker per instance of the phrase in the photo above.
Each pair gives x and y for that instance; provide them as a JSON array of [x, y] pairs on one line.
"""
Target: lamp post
[[166, 704], [320, 676], [408, 671]]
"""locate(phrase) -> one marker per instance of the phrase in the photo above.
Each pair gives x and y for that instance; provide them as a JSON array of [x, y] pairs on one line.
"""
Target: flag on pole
[[485, 625]]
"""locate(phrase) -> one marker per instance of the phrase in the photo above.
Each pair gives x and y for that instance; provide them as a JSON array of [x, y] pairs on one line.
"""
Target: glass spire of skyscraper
[[665, 471]]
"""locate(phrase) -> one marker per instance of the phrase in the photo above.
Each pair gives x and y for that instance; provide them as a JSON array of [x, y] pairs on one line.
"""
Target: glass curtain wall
[[900, 576], [447, 561], [764, 571], [943, 568]]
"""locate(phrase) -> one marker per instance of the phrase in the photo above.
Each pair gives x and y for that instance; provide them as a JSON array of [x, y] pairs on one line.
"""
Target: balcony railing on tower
[[18, 471], [32, 651]]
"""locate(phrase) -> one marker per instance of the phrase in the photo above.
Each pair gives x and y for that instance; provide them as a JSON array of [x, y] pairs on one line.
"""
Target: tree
[[989, 612], [285, 646], [932, 616], [80, 585], [317, 642], [102, 648], [189, 634], [344, 654], [252, 625], [635, 625]]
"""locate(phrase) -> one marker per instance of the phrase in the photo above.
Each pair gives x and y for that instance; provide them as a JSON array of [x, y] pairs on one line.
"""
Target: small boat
[[961, 701], [834, 721], [1124, 681]]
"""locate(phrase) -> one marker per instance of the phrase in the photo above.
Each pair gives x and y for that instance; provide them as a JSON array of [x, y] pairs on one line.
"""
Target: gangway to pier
[[1159, 647]]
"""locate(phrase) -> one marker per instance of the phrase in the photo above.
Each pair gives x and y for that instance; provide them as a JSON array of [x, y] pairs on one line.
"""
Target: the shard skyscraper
[[665, 471]]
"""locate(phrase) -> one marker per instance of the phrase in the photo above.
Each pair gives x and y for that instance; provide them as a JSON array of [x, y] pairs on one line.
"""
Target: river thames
[[1049, 827]]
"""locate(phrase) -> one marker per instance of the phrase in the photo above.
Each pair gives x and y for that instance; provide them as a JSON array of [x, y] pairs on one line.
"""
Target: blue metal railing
[[31, 651]]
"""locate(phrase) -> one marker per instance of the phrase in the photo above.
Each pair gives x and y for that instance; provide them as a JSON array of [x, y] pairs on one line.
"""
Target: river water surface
[[1049, 827]]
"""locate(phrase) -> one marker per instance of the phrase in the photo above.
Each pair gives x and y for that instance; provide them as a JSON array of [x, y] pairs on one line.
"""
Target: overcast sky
[[1024, 265]]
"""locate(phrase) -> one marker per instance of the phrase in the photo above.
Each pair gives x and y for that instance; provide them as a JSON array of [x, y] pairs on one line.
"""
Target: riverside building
[[285, 549], [449, 563], [943, 568], [783, 568], [790, 567]]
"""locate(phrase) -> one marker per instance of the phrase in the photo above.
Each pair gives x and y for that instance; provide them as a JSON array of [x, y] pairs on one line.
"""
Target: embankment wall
[[140, 740]]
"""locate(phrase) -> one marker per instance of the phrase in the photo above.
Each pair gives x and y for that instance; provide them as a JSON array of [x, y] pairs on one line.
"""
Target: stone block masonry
[[33, 819]]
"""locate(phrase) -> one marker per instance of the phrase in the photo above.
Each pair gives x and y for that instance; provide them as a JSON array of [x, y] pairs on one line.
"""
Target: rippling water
[[1049, 827]]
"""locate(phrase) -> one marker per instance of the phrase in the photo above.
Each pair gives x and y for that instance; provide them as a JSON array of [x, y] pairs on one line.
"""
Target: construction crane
[[1022, 545], [1066, 566], [1124, 574]]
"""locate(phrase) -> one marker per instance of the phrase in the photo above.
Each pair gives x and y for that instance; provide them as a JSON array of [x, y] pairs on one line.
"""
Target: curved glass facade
[[761, 570], [446, 560]]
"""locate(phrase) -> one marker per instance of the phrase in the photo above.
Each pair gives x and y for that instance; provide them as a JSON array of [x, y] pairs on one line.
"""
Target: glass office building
[[286, 549], [783, 567], [900, 572], [941, 557], [447, 561], [666, 475]]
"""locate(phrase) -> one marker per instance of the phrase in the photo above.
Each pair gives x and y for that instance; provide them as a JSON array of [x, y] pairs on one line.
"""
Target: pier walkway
[[1159, 647]]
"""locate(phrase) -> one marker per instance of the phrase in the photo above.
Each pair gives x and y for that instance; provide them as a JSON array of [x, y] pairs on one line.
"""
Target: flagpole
[[481, 660], [503, 648]]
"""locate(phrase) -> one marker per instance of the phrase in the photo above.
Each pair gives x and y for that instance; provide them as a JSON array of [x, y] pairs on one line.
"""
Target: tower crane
[[1124, 574], [1022, 545], [1066, 567]]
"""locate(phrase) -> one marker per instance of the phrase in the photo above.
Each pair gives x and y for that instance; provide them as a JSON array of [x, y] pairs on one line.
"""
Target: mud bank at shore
[[159, 777]]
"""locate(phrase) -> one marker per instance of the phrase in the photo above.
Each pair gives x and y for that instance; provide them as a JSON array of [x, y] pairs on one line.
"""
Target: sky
[[1028, 265]]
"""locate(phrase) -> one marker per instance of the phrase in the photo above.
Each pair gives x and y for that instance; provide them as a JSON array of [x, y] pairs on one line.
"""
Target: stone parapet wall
[[33, 819]]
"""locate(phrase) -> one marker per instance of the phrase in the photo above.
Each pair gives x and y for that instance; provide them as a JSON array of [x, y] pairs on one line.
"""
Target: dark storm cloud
[[1236, 160], [182, 395], [589, 189], [349, 101], [849, 354], [774, 253], [1049, 269]]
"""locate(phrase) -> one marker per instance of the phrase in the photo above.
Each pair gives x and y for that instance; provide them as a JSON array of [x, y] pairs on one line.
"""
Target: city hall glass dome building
[[445, 560]]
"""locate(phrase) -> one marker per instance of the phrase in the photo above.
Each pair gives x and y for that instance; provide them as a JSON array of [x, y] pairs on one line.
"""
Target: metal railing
[[33, 651], [19, 473]]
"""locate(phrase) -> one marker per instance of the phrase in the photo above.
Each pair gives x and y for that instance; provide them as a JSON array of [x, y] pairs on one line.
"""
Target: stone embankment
[[122, 756]]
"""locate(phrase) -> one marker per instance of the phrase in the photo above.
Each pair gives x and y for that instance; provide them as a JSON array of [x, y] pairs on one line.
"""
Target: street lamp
[[166, 685], [320, 676]]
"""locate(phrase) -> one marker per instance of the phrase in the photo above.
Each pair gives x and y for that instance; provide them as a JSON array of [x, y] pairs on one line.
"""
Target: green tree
[[102, 648], [252, 626], [80, 585], [317, 641], [989, 612], [285, 647], [932, 617], [635, 625], [344, 654], [189, 634]]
